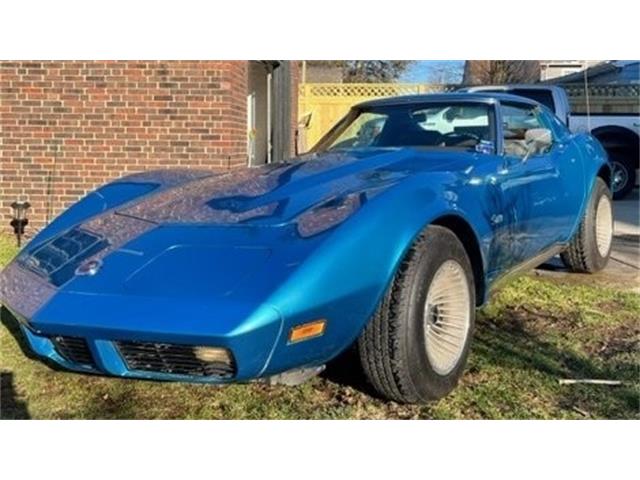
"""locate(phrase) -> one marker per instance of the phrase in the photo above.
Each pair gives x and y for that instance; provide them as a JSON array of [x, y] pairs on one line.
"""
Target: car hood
[[282, 193], [205, 236]]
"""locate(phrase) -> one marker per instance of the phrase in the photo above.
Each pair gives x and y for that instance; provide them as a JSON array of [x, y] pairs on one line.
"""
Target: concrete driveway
[[626, 240], [623, 269]]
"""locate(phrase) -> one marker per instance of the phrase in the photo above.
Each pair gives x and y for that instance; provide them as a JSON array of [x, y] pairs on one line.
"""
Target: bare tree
[[366, 71], [482, 72], [444, 73]]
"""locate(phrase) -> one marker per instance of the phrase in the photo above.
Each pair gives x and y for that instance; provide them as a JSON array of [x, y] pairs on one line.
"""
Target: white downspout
[[269, 75]]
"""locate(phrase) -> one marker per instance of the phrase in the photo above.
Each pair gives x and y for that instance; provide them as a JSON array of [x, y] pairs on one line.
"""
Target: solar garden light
[[19, 220]]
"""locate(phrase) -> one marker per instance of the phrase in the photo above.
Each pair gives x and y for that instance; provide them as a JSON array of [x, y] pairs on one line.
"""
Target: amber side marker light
[[307, 331]]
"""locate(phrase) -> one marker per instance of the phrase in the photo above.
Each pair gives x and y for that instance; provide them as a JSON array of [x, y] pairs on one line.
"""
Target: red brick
[[70, 126]]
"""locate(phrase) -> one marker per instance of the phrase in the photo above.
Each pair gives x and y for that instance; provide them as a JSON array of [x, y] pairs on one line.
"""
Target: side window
[[516, 120]]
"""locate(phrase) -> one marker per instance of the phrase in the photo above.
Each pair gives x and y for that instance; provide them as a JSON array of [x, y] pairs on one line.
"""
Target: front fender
[[345, 278]]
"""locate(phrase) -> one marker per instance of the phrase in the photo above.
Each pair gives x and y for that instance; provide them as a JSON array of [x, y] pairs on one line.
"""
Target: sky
[[426, 71]]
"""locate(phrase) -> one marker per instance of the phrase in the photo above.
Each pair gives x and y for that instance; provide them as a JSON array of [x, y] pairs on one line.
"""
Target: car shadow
[[11, 408], [12, 324], [553, 265], [345, 370]]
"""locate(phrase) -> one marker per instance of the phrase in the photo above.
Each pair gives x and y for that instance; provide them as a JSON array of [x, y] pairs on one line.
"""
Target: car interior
[[457, 126], [464, 126], [516, 121]]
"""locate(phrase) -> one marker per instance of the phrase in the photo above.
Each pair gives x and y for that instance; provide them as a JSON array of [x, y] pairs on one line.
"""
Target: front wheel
[[415, 347], [590, 247]]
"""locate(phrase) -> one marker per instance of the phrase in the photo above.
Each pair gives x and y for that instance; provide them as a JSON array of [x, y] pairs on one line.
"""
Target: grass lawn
[[533, 333]]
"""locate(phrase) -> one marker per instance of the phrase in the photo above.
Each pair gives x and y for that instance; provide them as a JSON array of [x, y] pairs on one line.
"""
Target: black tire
[[393, 346], [582, 255], [623, 176]]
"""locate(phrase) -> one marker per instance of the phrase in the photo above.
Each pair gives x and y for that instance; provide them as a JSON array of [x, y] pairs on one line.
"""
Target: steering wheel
[[460, 136]]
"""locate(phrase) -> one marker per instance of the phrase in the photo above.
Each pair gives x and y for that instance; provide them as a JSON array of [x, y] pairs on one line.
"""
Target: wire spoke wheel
[[604, 225], [447, 317]]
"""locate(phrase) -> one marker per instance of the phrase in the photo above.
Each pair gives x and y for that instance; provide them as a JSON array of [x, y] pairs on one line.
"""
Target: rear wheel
[[416, 345], [623, 176], [590, 247]]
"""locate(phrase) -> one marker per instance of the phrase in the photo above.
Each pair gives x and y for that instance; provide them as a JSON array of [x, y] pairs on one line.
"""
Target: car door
[[566, 157], [537, 201]]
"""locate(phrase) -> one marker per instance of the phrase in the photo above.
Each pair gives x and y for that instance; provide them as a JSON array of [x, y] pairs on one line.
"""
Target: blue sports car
[[386, 236]]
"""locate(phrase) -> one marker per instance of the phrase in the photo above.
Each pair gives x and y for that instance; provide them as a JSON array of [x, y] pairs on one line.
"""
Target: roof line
[[488, 98]]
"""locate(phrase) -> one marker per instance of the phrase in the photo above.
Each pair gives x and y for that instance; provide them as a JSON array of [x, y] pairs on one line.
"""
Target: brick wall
[[66, 127]]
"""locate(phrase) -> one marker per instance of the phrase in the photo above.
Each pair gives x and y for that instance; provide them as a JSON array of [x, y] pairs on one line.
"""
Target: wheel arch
[[605, 174], [467, 236], [615, 138], [377, 272]]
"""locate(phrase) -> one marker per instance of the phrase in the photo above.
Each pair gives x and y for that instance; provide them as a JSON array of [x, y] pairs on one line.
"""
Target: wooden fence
[[326, 103]]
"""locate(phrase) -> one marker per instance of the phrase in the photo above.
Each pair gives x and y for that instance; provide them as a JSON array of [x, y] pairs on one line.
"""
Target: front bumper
[[107, 360], [250, 349]]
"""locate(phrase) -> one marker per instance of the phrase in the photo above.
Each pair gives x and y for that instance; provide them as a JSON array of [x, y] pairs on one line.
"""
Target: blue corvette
[[388, 234]]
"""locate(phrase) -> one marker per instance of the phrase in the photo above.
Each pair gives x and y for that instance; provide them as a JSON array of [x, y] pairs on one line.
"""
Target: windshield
[[444, 125]]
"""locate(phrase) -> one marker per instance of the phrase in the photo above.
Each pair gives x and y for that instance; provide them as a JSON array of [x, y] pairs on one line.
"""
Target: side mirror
[[537, 140]]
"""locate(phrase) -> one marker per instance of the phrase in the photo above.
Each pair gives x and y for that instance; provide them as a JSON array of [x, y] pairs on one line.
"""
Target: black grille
[[173, 359], [74, 349]]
